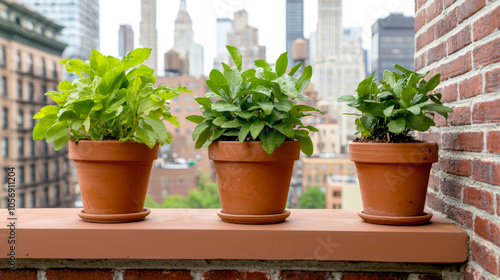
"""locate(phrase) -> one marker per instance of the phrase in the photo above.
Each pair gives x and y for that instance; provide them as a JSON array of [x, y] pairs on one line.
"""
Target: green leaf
[[267, 107], [278, 139], [56, 96], [61, 142], [415, 109], [256, 128], [419, 122], [404, 70], [438, 108], [217, 132], [397, 126], [218, 78], [305, 108], [199, 129], [41, 127], [205, 102], [389, 78], [294, 69], [306, 145], [244, 130], [304, 79], [232, 124], [246, 115], [47, 111], [204, 136], [98, 63], [281, 64], [236, 56], [346, 98], [195, 118], [284, 105], [432, 83], [77, 66], [68, 115], [286, 129], [223, 106], [262, 64], [388, 111], [86, 124], [158, 128], [55, 132], [267, 141], [407, 95]]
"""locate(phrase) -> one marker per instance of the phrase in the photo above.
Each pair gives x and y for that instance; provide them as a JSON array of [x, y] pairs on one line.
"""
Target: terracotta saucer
[[396, 221], [253, 219], [114, 218]]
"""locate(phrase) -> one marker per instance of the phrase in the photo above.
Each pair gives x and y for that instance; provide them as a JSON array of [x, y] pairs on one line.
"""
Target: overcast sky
[[266, 15]]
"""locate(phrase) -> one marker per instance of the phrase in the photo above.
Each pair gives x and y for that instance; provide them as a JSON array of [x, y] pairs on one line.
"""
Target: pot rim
[[252, 151], [111, 150], [394, 152]]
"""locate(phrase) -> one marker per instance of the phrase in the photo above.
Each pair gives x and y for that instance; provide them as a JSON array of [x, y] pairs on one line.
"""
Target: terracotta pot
[[113, 176], [251, 182], [393, 178]]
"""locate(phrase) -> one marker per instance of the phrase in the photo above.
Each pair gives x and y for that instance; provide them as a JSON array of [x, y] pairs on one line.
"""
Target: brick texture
[[299, 275], [484, 257], [486, 171], [487, 230], [452, 189], [478, 198], [492, 81], [487, 53], [470, 87], [446, 24], [468, 8], [156, 274], [19, 274], [456, 166], [465, 141], [493, 140], [460, 116], [73, 274], [456, 67], [486, 112], [485, 25], [459, 40], [460, 216], [235, 275]]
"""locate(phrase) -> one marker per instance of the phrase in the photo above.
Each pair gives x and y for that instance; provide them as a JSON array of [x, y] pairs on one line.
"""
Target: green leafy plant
[[399, 104], [255, 105], [111, 100]]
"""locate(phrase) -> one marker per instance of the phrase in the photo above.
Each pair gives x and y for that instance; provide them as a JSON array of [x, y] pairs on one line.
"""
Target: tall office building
[[148, 35], [294, 25], [392, 43], [30, 51], [80, 19], [246, 39], [223, 28], [184, 41], [125, 40], [338, 66]]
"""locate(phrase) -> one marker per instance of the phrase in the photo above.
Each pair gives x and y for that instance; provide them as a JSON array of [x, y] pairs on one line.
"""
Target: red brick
[[458, 66], [452, 189], [420, 20], [436, 53], [434, 9], [459, 40], [459, 116], [431, 137], [299, 275], [18, 274], [448, 3], [419, 4], [468, 8], [459, 215], [465, 141], [471, 87], [492, 78], [486, 112], [430, 277], [374, 275], [487, 24], [487, 230], [493, 140], [78, 274], [498, 205], [487, 53], [478, 198], [421, 61], [446, 24], [137, 274], [449, 93], [483, 256], [234, 275], [439, 120], [434, 182], [473, 274], [486, 171], [456, 166], [425, 38], [435, 203]]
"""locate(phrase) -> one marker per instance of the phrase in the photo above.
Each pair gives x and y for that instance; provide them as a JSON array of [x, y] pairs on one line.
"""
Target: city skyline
[[271, 24]]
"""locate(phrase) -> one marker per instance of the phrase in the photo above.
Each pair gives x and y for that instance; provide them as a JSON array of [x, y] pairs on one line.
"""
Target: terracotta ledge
[[333, 235]]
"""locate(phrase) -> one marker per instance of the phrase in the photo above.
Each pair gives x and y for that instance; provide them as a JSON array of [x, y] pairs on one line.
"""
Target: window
[[54, 71], [5, 147], [3, 60], [32, 173], [30, 64], [44, 97], [33, 199], [56, 169], [20, 147], [18, 61], [32, 120], [31, 95], [5, 118], [21, 201], [20, 89], [20, 118], [46, 171], [20, 174], [337, 193], [42, 68], [44, 147], [46, 196], [32, 147], [4, 86], [57, 195]]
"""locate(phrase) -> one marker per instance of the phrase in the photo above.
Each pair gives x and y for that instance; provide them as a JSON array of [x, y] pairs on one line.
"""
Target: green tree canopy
[[313, 198]]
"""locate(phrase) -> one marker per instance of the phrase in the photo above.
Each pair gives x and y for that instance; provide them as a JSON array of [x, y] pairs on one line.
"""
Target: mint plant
[[399, 104], [255, 105], [111, 100]]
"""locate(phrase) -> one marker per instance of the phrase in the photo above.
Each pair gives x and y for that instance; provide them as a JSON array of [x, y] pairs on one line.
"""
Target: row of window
[[340, 166], [44, 200], [21, 147], [21, 174], [30, 65], [20, 118], [20, 90]]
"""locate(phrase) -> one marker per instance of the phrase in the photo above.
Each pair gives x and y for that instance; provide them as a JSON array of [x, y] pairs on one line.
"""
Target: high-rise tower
[[148, 35], [125, 40], [294, 25]]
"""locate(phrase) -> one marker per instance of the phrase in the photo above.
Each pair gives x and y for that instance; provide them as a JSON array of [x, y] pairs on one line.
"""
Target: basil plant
[[255, 105], [111, 100], [398, 104]]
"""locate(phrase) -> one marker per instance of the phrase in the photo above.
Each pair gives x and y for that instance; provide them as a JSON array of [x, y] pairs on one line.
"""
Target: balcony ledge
[[196, 234]]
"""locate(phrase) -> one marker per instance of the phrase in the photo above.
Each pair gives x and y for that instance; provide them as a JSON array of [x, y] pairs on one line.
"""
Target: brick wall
[[461, 40]]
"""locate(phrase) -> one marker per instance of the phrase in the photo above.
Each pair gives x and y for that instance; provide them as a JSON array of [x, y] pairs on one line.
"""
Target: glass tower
[[294, 24]]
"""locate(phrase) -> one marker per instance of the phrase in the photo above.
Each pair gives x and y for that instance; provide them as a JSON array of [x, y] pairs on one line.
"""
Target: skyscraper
[[125, 40], [30, 51], [246, 38], [184, 41], [338, 67], [80, 19], [148, 35], [392, 43], [294, 25], [224, 27]]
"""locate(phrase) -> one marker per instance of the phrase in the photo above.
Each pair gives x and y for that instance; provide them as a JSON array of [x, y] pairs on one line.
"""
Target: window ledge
[[333, 235]]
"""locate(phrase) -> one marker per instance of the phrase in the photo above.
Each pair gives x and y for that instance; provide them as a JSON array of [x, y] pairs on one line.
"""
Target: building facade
[[80, 19], [223, 28], [393, 40], [294, 25], [148, 36], [125, 40], [30, 51]]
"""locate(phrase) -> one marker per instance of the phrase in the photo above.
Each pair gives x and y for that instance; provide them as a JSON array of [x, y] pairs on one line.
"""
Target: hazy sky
[[266, 15]]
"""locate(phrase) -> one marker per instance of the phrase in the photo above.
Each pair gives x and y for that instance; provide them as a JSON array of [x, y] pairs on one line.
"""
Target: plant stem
[[388, 137]]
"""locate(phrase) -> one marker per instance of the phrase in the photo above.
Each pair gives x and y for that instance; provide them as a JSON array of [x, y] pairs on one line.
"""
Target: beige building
[[30, 51], [148, 36], [343, 194], [317, 170]]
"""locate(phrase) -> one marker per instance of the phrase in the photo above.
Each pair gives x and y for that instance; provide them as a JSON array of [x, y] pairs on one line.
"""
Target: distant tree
[[175, 201], [150, 202], [313, 198]]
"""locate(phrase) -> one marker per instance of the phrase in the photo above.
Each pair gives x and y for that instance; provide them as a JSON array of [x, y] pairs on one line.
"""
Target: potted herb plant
[[254, 134], [393, 167], [113, 118]]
